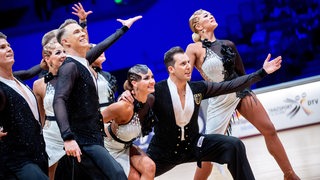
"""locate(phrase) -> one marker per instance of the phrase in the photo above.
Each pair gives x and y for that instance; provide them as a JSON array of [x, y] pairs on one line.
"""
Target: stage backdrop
[[289, 105]]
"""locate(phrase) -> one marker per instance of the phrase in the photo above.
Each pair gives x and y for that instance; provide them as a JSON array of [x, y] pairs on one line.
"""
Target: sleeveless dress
[[220, 108], [126, 132], [51, 132], [106, 95]]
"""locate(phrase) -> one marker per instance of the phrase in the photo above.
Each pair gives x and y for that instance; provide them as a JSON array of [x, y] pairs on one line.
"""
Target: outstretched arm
[[97, 50], [272, 66], [30, 73], [215, 89]]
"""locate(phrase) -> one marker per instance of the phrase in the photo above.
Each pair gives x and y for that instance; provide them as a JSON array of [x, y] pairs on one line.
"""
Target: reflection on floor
[[302, 146]]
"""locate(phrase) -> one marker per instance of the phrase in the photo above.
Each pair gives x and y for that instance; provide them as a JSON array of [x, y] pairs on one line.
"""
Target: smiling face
[[54, 55], [140, 80], [75, 38], [6, 53], [146, 84]]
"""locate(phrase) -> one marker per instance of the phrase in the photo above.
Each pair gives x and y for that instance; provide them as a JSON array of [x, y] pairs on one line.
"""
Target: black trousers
[[27, 171], [215, 148], [96, 163]]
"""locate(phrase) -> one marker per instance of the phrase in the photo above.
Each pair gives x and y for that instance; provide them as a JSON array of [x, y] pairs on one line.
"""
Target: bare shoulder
[[39, 86], [194, 47], [121, 105]]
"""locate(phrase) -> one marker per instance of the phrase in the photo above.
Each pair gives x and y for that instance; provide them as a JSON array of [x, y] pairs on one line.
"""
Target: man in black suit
[[22, 147]]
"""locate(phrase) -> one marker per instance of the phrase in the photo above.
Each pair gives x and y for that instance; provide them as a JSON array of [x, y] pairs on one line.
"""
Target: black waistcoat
[[83, 108], [24, 141]]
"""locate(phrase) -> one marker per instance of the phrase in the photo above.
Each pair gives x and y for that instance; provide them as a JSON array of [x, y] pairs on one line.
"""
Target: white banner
[[287, 108]]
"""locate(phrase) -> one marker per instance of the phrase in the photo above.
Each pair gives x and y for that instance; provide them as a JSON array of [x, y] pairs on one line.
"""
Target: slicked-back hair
[[168, 56]]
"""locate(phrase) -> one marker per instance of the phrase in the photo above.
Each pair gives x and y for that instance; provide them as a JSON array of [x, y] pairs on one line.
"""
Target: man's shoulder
[[161, 83], [198, 86], [197, 83]]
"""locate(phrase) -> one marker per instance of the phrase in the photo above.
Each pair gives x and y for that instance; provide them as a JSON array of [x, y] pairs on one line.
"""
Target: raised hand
[[273, 65], [129, 21], [2, 133], [80, 12]]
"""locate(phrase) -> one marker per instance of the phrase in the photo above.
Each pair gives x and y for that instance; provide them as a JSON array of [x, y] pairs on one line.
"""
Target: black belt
[[51, 118], [126, 143], [105, 104]]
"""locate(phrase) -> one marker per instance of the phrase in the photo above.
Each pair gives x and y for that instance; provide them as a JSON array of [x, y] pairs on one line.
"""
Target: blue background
[[287, 28]]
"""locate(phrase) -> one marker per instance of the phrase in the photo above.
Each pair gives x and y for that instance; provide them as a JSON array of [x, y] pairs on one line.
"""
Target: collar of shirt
[[82, 60], [85, 62]]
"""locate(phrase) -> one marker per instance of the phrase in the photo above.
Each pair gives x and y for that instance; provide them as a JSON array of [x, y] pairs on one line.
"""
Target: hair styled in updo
[[133, 75], [193, 21]]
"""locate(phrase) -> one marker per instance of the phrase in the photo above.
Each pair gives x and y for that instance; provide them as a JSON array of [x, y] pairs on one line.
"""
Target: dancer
[[76, 107], [126, 119], [217, 61], [176, 104], [45, 89], [22, 149], [54, 55], [107, 83]]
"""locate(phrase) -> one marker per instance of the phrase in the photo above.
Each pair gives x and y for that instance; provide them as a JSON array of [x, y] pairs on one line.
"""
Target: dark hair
[[2, 36], [168, 56], [133, 75]]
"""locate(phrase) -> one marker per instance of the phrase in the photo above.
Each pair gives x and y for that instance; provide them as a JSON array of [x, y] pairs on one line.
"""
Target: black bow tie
[[48, 77], [96, 68]]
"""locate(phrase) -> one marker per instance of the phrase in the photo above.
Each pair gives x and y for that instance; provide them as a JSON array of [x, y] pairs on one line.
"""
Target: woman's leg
[[52, 171], [203, 172], [252, 109], [133, 174], [142, 164]]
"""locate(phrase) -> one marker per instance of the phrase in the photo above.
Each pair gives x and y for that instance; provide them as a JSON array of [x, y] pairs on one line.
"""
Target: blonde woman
[[54, 55], [218, 60]]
